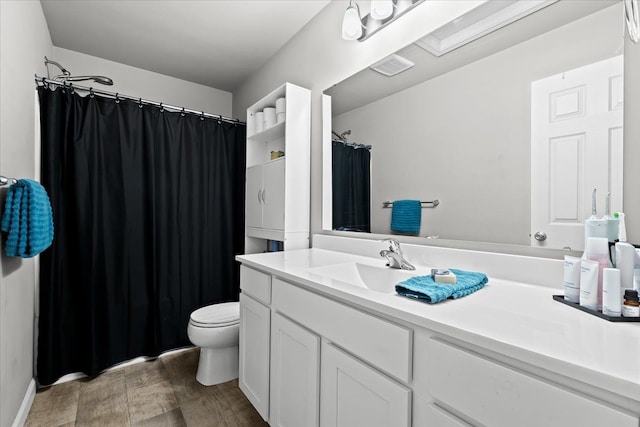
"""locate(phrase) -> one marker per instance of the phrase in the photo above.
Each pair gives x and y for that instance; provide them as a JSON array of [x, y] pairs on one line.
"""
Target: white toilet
[[215, 330]]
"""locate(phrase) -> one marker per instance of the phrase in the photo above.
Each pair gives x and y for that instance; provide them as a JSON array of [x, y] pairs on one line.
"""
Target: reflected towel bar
[[7, 181], [433, 203]]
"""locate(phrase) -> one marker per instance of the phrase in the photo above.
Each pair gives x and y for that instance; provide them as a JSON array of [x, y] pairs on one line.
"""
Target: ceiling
[[217, 43]]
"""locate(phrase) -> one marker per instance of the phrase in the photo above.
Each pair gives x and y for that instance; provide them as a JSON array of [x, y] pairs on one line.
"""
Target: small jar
[[631, 306]]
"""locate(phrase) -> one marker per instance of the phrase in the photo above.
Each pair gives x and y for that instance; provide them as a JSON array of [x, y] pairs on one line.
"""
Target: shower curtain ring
[[161, 108], [202, 116], [182, 112], [44, 83], [140, 103], [91, 95], [117, 98], [71, 89], [220, 119]]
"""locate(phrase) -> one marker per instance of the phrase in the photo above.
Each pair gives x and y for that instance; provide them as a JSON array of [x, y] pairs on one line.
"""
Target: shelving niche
[[278, 190]]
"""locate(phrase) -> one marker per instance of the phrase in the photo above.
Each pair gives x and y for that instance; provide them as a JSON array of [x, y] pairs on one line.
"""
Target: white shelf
[[278, 196], [269, 134]]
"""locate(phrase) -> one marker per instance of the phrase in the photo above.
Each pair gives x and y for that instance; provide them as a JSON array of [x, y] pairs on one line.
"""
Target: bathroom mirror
[[458, 128]]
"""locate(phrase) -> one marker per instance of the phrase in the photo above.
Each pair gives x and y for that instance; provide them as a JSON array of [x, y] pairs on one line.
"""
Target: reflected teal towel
[[425, 289], [406, 216], [27, 219]]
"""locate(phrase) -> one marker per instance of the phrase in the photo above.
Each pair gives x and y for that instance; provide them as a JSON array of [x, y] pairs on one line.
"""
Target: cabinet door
[[254, 196], [353, 394], [253, 376], [295, 371], [273, 196]]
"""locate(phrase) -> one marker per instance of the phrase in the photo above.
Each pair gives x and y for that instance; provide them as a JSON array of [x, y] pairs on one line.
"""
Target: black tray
[[560, 298]]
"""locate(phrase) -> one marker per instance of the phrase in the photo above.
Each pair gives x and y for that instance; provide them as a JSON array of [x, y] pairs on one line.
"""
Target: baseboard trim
[[25, 407]]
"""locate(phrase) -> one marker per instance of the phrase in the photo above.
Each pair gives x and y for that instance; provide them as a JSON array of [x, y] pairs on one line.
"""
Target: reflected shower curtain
[[351, 188], [149, 213]]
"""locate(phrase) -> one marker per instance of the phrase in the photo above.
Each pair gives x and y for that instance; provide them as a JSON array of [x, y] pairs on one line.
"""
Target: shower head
[[98, 79], [67, 77]]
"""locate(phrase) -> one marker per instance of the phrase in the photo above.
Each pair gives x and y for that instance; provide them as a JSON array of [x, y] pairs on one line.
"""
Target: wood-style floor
[[163, 392]]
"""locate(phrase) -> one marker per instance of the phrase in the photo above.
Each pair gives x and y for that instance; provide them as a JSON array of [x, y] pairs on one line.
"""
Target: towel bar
[[433, 203], [6, 181]]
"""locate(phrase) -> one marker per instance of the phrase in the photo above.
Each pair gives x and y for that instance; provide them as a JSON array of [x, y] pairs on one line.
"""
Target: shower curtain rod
[[351, 144], [45, 81]]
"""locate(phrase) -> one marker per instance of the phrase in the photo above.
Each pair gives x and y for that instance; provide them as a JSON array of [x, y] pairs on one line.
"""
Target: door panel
[[273, 196], [253, 197], [576, 146]]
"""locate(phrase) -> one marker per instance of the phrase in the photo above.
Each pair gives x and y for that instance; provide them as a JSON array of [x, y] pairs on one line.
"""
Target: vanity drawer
[[495, 395], [256, 284], [381, 343]]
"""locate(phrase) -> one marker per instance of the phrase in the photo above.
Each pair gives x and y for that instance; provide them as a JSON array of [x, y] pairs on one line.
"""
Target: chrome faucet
[[394, 256]]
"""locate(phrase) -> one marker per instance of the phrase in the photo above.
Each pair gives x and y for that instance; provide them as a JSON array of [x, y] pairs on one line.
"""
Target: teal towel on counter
[[406, 216], [27, 219], [425, 289]]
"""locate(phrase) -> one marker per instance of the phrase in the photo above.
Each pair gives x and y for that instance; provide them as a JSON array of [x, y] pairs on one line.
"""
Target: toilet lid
[[217, 315]]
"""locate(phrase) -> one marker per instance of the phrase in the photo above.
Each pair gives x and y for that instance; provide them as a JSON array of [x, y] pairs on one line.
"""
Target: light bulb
[[381, 9], [351, 24]]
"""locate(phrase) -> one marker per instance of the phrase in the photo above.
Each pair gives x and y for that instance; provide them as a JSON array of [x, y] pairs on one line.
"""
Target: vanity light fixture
[[381, 9], [383, 12], [352, 23], [631, 13]]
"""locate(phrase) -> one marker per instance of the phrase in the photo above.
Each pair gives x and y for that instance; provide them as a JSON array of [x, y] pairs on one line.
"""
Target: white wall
[[144, 84], [24, 41], [464, 137], [317, 57]]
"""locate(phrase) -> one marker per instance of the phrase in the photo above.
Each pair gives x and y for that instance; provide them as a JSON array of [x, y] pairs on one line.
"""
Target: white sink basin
[[377, 278]]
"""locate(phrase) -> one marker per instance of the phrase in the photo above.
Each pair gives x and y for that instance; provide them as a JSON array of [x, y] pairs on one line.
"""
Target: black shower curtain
[[351, 189], [148, 212]]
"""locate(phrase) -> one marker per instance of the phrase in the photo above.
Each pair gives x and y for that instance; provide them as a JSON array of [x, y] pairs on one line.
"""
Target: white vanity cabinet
[[490, 393], [295, 374], [354, 394], [277, 197], [255, 333], [311, 358]]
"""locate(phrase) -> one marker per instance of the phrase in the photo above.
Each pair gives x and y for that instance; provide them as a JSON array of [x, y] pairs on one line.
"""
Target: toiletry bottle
[[611, 302], [572, 278], [625, 255], [598, 251], [594, 226], [631, 306], [589, 284]]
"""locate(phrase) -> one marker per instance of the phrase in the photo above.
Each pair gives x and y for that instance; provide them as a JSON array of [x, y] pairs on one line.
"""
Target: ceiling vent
[[392, 65]]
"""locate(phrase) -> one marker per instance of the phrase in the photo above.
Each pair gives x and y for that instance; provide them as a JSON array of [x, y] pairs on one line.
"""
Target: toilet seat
[[216, 315]]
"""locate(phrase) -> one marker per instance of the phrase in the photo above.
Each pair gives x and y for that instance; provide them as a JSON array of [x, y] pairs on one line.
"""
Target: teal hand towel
[[406, 216], [424, 288], [27, 219]]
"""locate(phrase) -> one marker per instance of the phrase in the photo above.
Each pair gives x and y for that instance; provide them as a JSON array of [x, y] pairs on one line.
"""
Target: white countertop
[[516, 319]]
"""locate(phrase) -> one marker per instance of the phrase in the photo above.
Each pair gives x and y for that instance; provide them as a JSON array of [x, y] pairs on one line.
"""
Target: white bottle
[[598, 250], [625, 255], [611, 303]]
